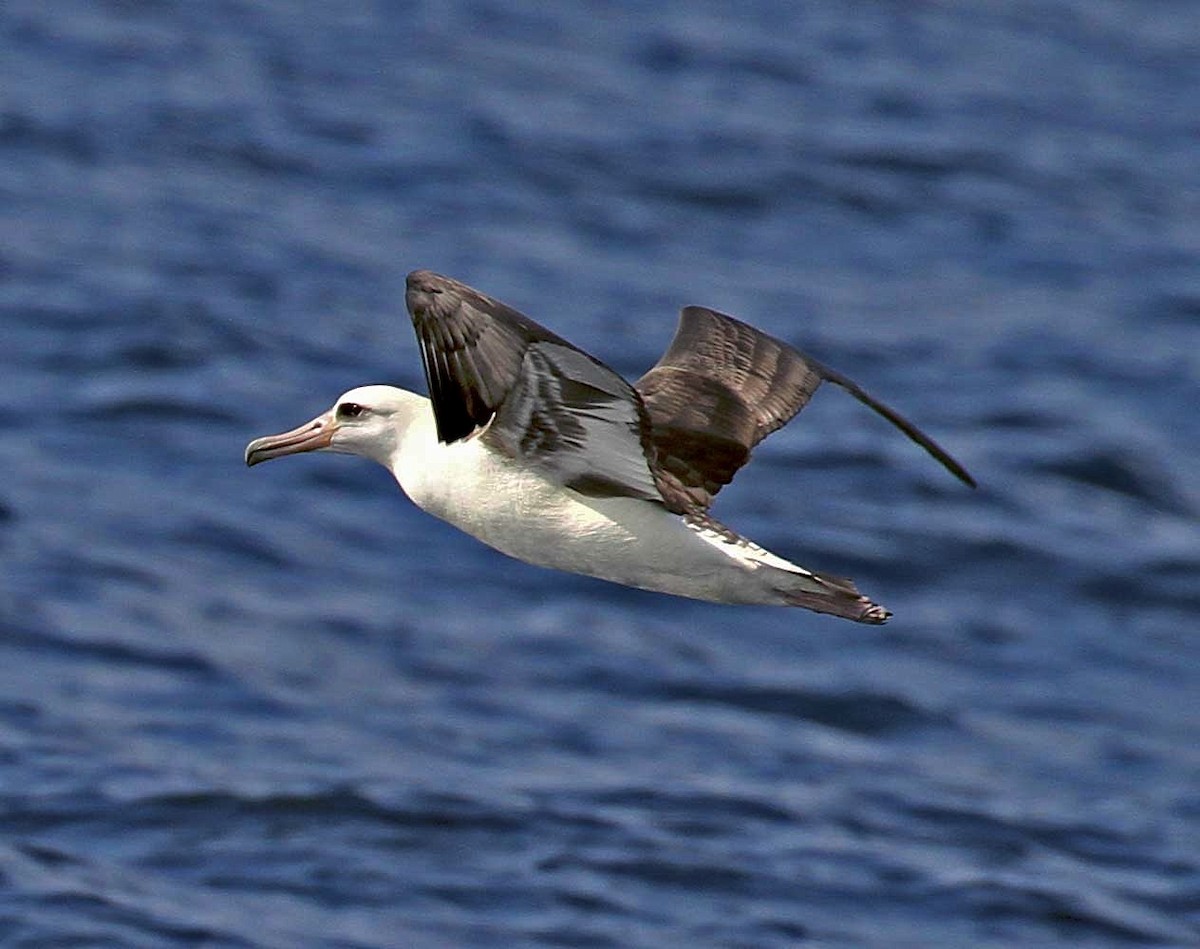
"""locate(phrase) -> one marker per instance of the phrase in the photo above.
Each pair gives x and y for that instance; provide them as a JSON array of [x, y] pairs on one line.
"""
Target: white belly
[[524, 515]]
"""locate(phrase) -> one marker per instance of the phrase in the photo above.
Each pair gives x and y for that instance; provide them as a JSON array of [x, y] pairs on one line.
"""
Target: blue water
[[283, 708]]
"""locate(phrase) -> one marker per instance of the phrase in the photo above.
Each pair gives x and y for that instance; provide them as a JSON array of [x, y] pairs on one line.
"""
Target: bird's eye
[[350, 410]]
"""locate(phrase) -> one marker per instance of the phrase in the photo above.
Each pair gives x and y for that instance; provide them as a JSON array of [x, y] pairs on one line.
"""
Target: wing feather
[[577, 421], [723, 386], [678, 436], [532, 395], [719, 389], [472, 347]]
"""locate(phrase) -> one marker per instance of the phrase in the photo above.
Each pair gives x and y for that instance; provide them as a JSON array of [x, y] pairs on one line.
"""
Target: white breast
[[519, 512]]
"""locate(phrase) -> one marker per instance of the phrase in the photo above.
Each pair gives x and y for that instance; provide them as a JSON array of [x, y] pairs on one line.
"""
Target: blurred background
[[283, 708]]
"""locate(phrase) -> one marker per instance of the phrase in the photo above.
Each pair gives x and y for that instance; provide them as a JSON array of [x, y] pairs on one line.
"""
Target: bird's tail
[[837, 596], [793, 584]]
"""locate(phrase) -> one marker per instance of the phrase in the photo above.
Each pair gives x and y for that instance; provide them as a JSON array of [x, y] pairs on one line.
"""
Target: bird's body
[[542, 452], [522, 513]]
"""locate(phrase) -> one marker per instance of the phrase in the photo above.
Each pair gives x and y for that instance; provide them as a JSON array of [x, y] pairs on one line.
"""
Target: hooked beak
[[311, 436]]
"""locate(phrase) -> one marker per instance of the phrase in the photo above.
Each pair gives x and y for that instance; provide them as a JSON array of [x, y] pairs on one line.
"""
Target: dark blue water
[[283, 708]]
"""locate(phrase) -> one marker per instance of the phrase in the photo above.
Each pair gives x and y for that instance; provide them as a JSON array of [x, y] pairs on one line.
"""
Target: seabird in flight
[[541, 451]]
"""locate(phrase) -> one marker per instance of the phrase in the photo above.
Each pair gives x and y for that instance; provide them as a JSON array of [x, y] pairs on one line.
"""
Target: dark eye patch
[[350, 410]]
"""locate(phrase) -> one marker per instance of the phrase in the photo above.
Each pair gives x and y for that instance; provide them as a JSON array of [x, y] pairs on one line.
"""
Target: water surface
[[282, 708]]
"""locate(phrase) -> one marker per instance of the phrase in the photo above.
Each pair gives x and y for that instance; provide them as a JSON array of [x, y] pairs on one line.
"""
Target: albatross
[[544, 453]]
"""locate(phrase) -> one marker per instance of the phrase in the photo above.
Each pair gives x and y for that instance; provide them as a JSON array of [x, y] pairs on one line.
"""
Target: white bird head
[[369, 421]]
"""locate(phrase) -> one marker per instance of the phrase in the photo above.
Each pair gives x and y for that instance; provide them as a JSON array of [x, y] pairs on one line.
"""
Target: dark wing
[[578, 422], [722, 387], [472, 347], [944, 457], [531, 394]]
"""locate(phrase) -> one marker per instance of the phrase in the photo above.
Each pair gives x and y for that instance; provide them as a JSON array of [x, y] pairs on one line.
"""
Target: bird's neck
[[415, 436]]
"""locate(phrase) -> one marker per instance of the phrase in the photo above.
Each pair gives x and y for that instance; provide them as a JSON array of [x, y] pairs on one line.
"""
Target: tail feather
[[839, 598], [819, 592]]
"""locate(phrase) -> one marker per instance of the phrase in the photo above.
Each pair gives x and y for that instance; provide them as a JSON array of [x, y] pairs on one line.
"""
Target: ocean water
[[283, 708]]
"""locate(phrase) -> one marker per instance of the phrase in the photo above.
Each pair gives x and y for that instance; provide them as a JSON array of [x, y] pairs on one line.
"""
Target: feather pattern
[[576, 421], [528, 393], [723, 386]]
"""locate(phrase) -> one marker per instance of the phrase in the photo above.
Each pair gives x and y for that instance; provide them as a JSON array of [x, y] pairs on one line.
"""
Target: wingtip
[[959, 472], [939, 454]]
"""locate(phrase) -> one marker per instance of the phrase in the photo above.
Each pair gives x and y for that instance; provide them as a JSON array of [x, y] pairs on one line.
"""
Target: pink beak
[[310, 436]]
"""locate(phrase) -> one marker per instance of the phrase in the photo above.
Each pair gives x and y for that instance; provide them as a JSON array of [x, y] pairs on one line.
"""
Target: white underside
[[628, 541]]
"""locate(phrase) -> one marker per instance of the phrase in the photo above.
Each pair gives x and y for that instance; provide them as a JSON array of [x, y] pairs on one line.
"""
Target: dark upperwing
[[527, 392], [723, 386]]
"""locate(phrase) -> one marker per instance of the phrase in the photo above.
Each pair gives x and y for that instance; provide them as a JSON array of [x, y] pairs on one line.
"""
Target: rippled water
[[282, 707]]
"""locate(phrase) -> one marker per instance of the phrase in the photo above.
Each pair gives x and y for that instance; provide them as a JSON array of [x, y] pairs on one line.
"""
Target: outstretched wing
[[472, 347], [527, 392], [722, 387]]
